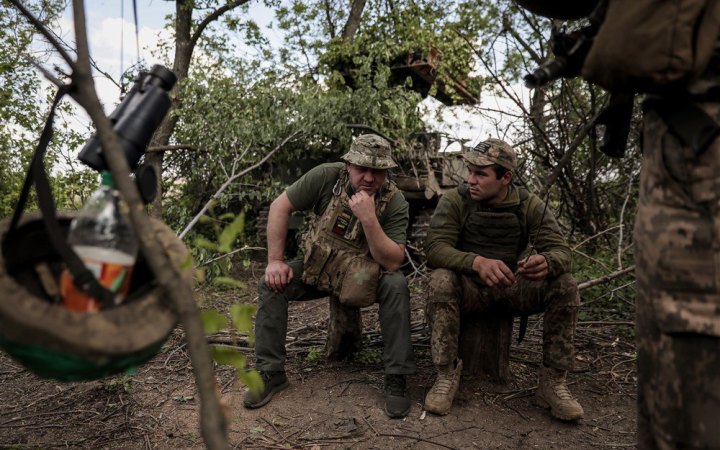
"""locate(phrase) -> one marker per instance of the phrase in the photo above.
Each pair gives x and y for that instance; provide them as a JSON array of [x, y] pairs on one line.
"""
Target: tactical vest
[[337, 255], [495, 233]]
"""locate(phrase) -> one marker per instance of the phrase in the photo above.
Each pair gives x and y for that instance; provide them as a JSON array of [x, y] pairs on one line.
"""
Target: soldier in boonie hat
[[370, 150], [492, 151]]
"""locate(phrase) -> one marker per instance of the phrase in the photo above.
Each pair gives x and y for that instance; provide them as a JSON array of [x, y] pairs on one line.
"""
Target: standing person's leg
[[442, 313], [677, 266], [270, 333], [394, 299]]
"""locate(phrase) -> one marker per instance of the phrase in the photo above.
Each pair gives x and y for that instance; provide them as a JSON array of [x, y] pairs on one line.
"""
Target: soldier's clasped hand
[[493, 272]]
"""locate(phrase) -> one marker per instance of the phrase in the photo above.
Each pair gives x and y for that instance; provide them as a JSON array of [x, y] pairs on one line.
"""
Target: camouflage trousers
[[677, 255], [451, 294], [394, 311]]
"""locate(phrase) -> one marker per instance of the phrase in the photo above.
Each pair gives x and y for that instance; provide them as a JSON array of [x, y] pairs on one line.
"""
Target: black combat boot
[[397, 399], [273, 382]]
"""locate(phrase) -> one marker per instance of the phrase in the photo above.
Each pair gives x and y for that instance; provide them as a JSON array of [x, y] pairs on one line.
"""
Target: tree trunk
[[181, 64], [353, 21]]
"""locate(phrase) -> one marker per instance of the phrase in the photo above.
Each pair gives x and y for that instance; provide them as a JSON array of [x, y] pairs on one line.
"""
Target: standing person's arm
[[386, 252], [277, 273]]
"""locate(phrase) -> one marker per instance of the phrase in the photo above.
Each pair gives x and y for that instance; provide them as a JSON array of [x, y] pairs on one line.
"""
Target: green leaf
[[187, 263], [229, 282], [252, 380], [213, 321], [241, 316], [228, 357], [206, 244], [200, 275], [228, 235]]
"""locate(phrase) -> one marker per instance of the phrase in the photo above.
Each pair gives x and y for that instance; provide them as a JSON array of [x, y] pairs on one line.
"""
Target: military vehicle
[[427, 170]]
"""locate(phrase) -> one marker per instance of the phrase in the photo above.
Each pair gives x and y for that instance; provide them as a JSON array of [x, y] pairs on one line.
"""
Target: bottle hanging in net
[[103, 238]]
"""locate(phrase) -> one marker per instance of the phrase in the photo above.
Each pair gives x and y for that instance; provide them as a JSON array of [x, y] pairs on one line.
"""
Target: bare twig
[[230, 180], [622, 228], [606, 278]]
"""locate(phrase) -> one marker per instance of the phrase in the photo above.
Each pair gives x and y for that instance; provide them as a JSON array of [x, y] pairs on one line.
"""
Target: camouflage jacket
[[449, 224]]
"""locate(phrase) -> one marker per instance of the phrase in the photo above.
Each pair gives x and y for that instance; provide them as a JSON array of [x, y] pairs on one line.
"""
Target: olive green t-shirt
[[313, 191]]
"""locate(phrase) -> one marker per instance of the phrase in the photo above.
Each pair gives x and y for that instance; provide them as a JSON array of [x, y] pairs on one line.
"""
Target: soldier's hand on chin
[[278, 275], [534, 268], [363, 205], [493, 272]]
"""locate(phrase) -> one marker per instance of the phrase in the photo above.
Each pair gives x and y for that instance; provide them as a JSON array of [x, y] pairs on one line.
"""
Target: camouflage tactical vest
[[337, 256], [495, 233]]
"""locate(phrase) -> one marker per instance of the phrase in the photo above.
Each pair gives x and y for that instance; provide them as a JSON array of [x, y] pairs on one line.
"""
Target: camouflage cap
[[370, 150], [492, 151]]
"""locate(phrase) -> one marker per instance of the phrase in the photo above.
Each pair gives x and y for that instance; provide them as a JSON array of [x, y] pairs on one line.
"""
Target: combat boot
[[273, 382], [397, 398], [553, 393], [440, 397]]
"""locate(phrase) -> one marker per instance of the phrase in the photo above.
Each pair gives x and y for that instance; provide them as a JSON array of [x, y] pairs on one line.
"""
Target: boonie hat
[[492, 151], [370, 150]]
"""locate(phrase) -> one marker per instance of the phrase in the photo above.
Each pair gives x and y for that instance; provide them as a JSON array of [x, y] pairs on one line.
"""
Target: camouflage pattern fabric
[[492, 151], [677, 241], [370, 150], [337, 255], [451, 294]]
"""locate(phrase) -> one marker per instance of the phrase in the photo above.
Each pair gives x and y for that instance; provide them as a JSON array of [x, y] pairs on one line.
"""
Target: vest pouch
[[653, 45], [359, 285], [314, 264]]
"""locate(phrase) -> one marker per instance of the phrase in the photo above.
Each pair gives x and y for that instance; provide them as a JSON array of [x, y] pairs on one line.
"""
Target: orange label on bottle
[[113, 277]]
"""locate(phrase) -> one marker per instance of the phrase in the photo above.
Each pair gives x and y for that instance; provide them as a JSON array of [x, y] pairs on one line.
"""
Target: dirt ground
[[336, 405]]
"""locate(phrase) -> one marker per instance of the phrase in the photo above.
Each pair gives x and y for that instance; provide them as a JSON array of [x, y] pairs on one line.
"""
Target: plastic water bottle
[[102, 237]]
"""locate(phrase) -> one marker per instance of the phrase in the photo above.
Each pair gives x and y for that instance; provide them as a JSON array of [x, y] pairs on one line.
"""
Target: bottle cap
[[107, 179]]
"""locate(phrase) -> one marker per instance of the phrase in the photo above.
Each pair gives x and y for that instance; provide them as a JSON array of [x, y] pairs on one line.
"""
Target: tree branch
[[165, 148], [353, 21], [213, 17], [606, 278], [229, 181], [45, 32]]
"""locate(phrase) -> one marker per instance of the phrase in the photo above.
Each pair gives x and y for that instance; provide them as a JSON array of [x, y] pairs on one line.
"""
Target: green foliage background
[[245, 97]]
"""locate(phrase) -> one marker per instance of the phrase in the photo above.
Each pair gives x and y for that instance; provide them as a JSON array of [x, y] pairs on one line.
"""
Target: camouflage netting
[[58, 343]]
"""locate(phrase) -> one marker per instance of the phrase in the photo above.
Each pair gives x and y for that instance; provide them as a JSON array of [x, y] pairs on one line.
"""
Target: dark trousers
[[272, 317]]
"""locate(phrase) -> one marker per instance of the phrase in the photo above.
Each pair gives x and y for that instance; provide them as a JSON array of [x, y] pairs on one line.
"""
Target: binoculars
[[136, 118]]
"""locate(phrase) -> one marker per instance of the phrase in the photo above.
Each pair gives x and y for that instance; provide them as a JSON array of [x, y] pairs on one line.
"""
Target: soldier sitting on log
[[353, 249], [479, 241]]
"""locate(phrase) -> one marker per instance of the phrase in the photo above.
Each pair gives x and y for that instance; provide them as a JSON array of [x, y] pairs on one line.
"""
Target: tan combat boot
[[553, 393], [441, 395]]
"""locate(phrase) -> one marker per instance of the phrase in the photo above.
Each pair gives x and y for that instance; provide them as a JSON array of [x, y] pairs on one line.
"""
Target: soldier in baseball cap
[[492, 151], [370, 150], [478, 243]]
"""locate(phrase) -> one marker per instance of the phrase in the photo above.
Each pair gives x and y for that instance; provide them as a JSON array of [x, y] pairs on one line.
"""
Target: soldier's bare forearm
[[386, 252], [277, 227]]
